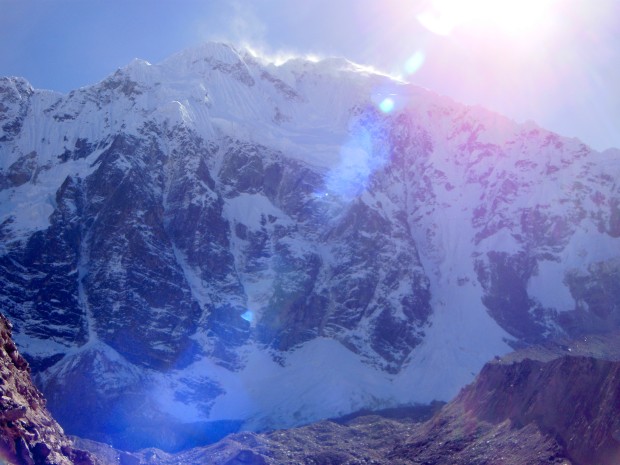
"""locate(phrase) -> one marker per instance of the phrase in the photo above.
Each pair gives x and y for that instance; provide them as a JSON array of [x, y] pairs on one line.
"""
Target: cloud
[[235, 22], [245, 25]]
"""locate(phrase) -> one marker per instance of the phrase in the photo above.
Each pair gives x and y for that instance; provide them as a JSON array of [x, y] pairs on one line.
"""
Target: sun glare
[[510, 16]]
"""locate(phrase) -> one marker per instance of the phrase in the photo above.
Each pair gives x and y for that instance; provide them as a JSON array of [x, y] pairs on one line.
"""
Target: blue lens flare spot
[[386, 105], [248, 316], [414, 62]]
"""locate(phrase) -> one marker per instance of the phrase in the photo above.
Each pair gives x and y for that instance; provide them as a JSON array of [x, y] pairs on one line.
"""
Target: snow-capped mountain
[[217, 241]]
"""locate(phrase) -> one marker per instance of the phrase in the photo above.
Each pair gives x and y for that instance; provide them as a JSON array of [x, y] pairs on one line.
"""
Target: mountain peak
[[208, 51], [15, 88]]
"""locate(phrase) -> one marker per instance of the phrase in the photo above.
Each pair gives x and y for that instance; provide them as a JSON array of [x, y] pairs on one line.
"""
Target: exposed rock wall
[[574, 399], [28, 433]]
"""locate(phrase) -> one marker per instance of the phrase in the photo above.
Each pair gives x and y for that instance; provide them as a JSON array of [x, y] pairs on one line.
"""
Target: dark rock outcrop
[[573, 399], [521, 411], [28, 433]]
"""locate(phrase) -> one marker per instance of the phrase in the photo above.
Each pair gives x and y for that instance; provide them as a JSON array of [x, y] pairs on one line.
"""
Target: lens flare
[[414, 62], [248, 316], [437, 20], [387, 105], [366, 151]]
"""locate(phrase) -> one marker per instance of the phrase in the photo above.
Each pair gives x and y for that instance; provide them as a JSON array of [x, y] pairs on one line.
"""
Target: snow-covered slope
[[219, 239]]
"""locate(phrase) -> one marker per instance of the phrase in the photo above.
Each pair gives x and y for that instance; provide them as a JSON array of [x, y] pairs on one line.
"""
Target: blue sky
[[563, 72]]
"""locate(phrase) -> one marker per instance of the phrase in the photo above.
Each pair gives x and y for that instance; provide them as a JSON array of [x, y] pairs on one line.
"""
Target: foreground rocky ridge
[[180, 240], [28, 433], [563, 411]]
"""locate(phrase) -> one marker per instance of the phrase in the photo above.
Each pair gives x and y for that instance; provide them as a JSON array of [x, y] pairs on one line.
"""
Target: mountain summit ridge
[[179, 243]]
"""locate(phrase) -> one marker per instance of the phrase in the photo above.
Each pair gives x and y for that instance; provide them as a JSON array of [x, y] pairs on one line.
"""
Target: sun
[[514, 17]]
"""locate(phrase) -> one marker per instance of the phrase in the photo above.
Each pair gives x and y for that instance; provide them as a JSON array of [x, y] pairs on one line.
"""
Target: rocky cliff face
[[559, 411], [574, 399], [192, 241], [28, 433]]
